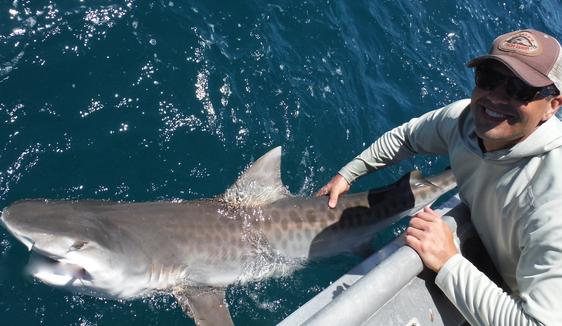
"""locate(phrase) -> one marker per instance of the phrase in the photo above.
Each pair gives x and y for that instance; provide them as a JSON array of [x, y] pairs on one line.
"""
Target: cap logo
[[522, 42]]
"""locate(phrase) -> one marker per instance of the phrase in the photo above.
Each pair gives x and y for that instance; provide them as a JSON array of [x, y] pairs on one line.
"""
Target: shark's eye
[[77, 245]]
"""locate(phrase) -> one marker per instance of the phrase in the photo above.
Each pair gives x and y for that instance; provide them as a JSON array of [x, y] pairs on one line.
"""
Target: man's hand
[[431, 238], [337, 186]]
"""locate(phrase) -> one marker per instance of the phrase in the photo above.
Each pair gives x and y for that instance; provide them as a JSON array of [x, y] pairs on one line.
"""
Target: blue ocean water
[[149, 100]]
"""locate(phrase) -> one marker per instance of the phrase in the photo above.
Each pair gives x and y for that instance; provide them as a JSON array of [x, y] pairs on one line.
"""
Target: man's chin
[[493, 141]]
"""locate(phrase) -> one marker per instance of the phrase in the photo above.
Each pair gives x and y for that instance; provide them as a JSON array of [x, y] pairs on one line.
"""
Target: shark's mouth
[[56, 271], [51, 268]]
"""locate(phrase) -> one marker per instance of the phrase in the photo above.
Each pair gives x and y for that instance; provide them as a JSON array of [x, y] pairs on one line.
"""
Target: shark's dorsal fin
[[260, 184], [206, 305]]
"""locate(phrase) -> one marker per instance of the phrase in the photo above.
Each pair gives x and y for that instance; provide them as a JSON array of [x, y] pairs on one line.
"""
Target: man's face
[[502, 121]]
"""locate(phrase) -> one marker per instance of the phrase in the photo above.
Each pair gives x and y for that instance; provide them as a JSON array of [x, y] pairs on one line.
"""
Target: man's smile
[[495, 114]]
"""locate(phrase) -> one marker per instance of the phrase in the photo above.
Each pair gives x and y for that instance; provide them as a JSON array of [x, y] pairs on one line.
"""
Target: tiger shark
[[195, 249]]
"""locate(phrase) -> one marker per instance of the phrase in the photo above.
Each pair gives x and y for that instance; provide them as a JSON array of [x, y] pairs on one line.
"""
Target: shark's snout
[[12, 228]]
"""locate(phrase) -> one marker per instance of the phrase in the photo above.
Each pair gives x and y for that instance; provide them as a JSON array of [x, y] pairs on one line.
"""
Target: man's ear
[[555, 104]]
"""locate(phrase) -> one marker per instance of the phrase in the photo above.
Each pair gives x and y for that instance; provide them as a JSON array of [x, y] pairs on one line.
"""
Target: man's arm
[[480, 300], [539, 278], [428, 134]]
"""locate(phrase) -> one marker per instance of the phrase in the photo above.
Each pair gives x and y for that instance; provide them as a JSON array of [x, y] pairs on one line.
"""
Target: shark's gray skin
[[194, 249]]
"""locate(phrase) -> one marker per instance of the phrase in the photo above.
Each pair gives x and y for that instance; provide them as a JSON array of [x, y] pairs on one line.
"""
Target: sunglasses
[[489, 79]]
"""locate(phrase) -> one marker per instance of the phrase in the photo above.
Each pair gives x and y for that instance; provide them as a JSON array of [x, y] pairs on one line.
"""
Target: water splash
[[7, 67], [97, 23], [11, 175], [174, 120], [265, 261]]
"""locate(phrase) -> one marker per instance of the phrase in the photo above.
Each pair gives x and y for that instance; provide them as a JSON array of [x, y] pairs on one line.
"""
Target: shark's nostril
[[83, 274]]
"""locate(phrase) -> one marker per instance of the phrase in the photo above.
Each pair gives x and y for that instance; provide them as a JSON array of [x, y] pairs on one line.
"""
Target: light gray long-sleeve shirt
[[514, 196]]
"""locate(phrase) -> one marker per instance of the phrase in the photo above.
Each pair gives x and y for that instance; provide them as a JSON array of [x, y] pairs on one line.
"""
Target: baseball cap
[[533, 56]]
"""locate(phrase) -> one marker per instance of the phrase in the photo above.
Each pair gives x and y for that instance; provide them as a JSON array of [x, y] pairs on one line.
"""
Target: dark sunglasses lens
[[487, 79], [546, 92], [520, 91]]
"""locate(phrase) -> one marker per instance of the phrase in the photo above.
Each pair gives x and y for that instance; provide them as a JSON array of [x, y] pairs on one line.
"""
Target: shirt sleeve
[[537, 300], [539, 269], [480, 300], [428, 134]]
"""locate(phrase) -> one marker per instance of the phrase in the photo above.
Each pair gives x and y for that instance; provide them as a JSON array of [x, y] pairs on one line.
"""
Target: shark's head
[[72, 252]]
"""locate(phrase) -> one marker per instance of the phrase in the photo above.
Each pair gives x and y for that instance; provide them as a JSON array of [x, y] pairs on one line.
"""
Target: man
[[505, 149]]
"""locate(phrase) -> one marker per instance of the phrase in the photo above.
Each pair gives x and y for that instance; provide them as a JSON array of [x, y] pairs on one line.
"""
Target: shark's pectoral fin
[[206, 305]]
